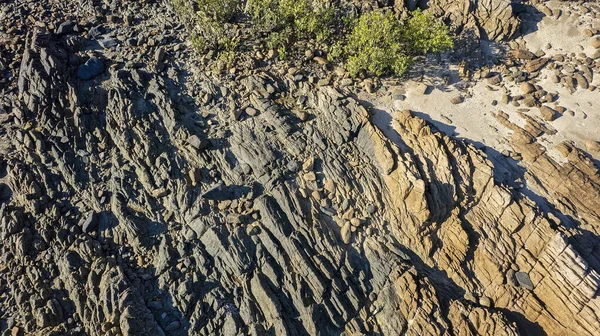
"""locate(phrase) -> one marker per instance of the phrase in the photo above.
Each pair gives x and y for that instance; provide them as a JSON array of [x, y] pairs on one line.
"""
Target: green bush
[[218, 10], [380, 43], [376, 41], [289, 20]]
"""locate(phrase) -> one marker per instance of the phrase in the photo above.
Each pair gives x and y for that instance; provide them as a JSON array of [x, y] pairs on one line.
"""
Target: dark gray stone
[[89, 223], [523, 280], [93, 67]]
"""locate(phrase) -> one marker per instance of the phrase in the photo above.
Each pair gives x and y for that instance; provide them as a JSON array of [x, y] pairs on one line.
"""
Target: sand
[[473, 119]]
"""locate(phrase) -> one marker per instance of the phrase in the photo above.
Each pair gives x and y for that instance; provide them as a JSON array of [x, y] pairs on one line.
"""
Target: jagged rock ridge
[[271, 206]]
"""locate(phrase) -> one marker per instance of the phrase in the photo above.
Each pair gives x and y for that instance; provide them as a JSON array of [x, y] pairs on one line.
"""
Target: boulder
[[92, 68]]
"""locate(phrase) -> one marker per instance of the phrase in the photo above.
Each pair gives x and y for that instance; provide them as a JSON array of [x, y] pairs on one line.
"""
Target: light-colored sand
[[472, 120]]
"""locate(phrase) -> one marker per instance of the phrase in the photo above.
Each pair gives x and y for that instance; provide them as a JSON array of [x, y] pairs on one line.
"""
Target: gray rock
[[108, 42], [89, 223], [196, 143], [66, 28], [523, 280], [92, 68]]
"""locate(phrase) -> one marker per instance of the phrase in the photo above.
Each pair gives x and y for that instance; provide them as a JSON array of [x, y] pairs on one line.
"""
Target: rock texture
[[490, 19], [146, 200]]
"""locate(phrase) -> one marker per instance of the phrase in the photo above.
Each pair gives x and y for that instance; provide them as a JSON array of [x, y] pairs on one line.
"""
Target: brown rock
[[592, 146], [495, 80], [548, 113], [582, 82], [521, 54], [595, 42], [457, 99], [527, 88], [346, 232], [536, 64]]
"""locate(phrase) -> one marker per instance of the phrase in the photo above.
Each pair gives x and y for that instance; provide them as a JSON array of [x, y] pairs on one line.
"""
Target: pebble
[[592, 146], [527, 88], [346, 233], [548, 113], [457, 99], [595, 42], [485, 301]]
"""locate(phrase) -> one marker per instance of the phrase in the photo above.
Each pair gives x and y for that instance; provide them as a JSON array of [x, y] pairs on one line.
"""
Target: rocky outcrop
[[492, 19], [147, 200]]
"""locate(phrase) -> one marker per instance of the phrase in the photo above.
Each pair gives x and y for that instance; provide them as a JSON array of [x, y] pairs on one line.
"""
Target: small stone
[[536, 64], [495, 80], [399, 97], [522, 54], [323, 82], [529, 101], [523, 280], [582, 82], [596, 42], [592, 146], [196, 143], [548, 113], [251, 111], [310, 177], [356, 222], [89, 223], [173, 326], [346, 82], [320, 60], [371, 209], [527, 88], [457, 99], [485, 301], [309, 164], [346, 233], [159, 55], [470, 297]]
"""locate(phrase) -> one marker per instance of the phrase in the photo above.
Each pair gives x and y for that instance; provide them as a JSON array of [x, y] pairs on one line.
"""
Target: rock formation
[[146, 199]]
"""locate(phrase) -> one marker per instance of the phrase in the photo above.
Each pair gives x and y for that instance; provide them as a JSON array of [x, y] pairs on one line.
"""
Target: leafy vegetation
[[380, 43], [376, 42], [289, 20], [218, 10]]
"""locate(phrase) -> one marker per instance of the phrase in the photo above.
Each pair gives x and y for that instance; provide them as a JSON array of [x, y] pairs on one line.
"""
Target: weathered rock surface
[[493, 19], [134, 204]]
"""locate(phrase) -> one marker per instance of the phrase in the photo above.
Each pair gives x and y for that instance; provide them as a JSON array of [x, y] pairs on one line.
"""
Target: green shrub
[[218, 10], [208, 21], [381, 44], [289, 20]]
